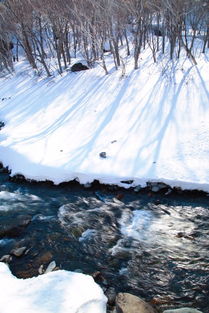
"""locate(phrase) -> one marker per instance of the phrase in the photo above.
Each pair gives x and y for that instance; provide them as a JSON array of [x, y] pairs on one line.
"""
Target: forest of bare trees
[[58, 30]]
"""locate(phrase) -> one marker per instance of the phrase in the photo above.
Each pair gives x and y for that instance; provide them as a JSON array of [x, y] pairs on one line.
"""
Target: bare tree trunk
[[28, 49], [127, 43]]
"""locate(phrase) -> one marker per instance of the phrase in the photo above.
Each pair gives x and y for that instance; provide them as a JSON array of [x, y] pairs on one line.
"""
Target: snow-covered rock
[[60, 291]]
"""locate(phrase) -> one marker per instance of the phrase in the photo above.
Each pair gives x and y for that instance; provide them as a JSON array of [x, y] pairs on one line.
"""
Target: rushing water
[[154, 246]]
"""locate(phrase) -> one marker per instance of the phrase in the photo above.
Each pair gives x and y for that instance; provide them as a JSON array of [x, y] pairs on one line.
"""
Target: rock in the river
[[44, 258], [128, 303], [156, 187], [137, 188], [111, 295], [15, 227], [50, 267], [18, 252], [182, 310], [41, 269], [6, 258]]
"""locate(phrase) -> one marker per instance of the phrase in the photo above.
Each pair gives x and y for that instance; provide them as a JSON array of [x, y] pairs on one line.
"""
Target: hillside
[[152, 123]]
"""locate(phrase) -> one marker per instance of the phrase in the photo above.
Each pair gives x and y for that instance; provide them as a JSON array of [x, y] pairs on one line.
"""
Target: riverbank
[[150, 125]]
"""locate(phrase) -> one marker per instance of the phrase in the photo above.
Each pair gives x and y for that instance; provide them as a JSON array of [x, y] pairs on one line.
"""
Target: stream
[[154, 245]]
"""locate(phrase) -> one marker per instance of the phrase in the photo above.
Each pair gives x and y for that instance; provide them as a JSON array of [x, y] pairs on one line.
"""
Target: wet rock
[[87, 185], [10, 232], [76, 231], [117, 201], [4, 170], [44, 258], [18, 178], [6, 258], [50, 267], [183, 235], [168, 192], [97, 276], [24, 220], [119, 196], [128, 303], [18, 252], [41, 269], [156, 187], [178, 190], [161, 300], [182, 310], [100, 196], [78, 270], [111, 295], [28, 271], [137, 188], [14, 228], [103, 155], [157, 201]]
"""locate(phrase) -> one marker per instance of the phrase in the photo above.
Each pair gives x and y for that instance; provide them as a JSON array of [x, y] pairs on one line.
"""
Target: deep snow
[[60, 291], [153, 124]]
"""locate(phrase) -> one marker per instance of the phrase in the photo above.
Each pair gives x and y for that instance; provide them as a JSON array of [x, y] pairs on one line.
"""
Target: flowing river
[[152, 245]]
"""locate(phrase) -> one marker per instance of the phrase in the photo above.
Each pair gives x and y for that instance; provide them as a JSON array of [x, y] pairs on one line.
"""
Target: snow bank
[[153, 125], [60, 291]]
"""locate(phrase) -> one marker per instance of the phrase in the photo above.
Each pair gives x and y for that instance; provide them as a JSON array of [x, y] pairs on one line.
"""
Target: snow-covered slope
[[153, 124], [60, 291]]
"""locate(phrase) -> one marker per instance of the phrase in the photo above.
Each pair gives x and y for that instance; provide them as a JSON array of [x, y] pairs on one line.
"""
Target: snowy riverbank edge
[[126, 183]]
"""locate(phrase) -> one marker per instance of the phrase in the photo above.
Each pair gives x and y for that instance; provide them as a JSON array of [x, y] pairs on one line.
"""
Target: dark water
[[152, 245]]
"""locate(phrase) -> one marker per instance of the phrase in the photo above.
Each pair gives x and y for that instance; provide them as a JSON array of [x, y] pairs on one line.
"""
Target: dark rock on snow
[[77, 67], [103, 155], [127, 182], [1, 125]]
